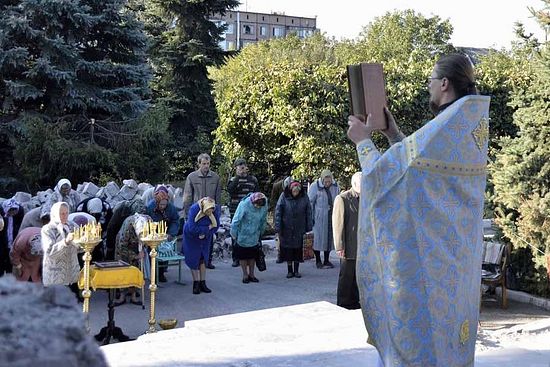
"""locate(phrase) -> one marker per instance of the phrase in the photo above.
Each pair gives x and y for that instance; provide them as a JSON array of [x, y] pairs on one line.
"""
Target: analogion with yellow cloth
[[124, 277]]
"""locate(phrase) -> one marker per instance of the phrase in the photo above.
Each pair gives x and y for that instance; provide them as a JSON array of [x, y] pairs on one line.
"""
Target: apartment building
[[246, 27]]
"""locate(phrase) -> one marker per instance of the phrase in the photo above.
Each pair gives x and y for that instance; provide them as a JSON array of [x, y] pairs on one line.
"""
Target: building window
[[277, 19], [278, 32], [247, 16], [230, 46], [292, 21], [247, 29], [263, 30], [230, 28], [263, 18]]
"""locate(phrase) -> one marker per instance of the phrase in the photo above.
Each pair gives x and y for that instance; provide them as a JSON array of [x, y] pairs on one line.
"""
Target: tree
[[407, 44], [281, 104], [185, 43], [521, 171], [76, 69], [291, 95]]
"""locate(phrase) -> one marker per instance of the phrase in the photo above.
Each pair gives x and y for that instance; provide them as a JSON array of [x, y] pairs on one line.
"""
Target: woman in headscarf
[[63, 193], [12, 213], [293, 219], [130, 249], [247, 226], [160, 208], [202, 223], [121, 211], [26, 255], [60, 262], [321, 197]]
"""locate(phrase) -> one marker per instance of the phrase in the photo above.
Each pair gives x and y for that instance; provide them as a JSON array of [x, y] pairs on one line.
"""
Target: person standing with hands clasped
[[321, 196], [293, 219], [200, 184], [238, 187], [60, 261], [420, 225], [344, 229]]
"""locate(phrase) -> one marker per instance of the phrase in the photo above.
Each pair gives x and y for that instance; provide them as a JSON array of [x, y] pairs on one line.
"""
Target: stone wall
[[43, 327]]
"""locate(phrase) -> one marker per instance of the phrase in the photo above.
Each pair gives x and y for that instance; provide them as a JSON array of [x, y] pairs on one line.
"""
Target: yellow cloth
[[125, 277], [204, 205]]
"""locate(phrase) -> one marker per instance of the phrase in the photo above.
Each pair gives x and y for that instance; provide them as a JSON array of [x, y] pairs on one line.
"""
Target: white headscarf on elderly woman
[[60, 261], [55, 219], [63, 192], [7, 205], [205, 204]]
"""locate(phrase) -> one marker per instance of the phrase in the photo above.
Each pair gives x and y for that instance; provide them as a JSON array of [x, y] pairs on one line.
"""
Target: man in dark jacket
[[238, 187], [345, 216]]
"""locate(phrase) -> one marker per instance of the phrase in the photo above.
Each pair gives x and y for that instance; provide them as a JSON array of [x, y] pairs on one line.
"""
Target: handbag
[[260, 259]]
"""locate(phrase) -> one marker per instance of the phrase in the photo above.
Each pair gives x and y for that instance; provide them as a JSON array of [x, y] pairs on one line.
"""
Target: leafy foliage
[[285, 102], [282, 104], [521, 171]]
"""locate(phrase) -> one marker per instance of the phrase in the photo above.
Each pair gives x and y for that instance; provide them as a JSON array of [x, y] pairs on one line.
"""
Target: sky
[[476, 23]]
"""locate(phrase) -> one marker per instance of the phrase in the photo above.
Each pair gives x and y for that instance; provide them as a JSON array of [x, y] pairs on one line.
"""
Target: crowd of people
[[408, 232], [38, 245]]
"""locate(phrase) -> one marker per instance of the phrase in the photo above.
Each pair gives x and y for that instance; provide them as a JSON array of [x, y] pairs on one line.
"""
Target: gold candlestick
[[152, 240], [87, 242]]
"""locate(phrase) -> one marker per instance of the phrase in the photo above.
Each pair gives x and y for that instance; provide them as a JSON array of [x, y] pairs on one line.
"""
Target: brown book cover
[[367, 93]]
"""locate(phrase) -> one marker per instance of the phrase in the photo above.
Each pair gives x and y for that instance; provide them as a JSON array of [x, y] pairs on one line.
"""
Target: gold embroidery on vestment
[[464, 332], [481, 133]]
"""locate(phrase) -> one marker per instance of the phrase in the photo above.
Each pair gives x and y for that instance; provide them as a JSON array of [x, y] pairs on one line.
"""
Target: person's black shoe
[[235, 263], [253, 279], [210, 266], [328, 264], [203, 288], [319, 265], [162, 278], [290, 275], [297, 275], [196, 287], [279, 261]]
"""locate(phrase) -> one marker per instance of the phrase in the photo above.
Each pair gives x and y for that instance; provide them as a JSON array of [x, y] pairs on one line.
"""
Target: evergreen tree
[[185, 43], [76, 68], [521, 171]]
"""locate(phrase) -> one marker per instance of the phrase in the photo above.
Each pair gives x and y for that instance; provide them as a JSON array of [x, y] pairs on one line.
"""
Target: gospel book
[[367, 93]]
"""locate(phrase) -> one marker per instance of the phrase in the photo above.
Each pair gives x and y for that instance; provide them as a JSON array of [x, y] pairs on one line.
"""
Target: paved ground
[[231, 298]]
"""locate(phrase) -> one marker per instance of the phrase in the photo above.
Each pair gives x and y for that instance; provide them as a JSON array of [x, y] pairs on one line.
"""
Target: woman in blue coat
[[247, 226], [203, 221]]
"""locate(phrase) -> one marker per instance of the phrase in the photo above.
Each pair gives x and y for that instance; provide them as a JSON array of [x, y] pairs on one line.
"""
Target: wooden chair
[[493, 272], [168, 252]]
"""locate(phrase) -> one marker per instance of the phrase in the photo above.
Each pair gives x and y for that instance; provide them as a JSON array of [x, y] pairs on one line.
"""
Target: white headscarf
[[9, 204], [62, 182], [55, 218], [6, 206], [95, 206]]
